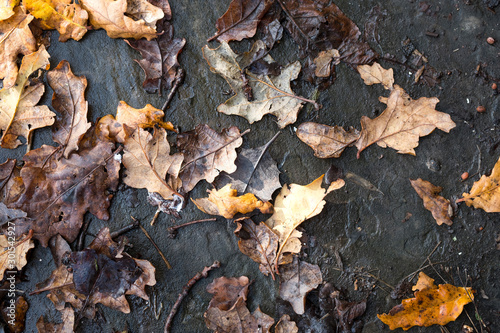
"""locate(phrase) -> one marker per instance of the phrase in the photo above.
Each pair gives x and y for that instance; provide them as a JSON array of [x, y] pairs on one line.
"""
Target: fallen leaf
[[58, 192], [323, 62], [376, 74], [69, 100], [10, 215], [439, 207], [424, 282], [296, 280], [485, 193], [227, 291], [19, 115], [7, 9], [403, 122], [66, 326], [271, 95], [207, 153], [226, 202], [123, 19], [256, 172], [17, 39], [65, 16], [346, 312], [294, 205], [16, 323], [22, 245], [435, 305], [240, 20], [258, 242], [11, 183], [286, 325], [326, 141]]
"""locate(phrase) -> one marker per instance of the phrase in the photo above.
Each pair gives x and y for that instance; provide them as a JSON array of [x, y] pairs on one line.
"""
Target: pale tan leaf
[[326, 141], [21, 245], [376, 74], [286, 325], [7, 8]]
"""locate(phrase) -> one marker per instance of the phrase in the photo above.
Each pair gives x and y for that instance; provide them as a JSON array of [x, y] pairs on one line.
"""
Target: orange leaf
[[439, 207], [485, 193]]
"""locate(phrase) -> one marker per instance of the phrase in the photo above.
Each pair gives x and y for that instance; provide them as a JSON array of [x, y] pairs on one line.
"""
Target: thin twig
[[184, 292], [173, 230], [153, 220], [179, 77], [153, 242], [125, 229], [428, 257]]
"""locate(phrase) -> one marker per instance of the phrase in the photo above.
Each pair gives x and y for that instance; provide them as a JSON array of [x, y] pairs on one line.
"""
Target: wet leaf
[[66, 326], [346, 312], [17, 40], [241, 19], [286, 325], [256, 172], [58, 192], [19, 115], [65, 16], [403, 122], [227, 291], [323, 62], [207, 153], [147, 161], [434, 305], [326, 141], [69, 100], [11, 183], [295, 204], [7, 9], [485, 193], [439, 207], [296, 280], [258, 242], [271, 94], [22, 245], [15, 324], [226, 202], [124, 19]]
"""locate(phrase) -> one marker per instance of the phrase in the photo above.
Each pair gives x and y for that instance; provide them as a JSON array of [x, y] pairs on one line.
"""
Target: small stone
[[494, 86], [490, 40], [433, 165], [464, 176], [480, 109]]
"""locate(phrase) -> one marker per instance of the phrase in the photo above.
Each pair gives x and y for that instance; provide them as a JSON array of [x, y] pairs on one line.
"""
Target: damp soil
[[372, 233]]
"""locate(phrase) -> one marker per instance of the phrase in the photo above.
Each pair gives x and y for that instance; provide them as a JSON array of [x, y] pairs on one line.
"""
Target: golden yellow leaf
[[22, 246], [226, 202], [424, 282], [7, 8], [65, 16], [485, 193]]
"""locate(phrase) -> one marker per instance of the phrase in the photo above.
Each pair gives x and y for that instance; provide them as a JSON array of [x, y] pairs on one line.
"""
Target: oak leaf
[[7, 9], [124, 19], [65, 16], [296, 280], [256, 172], [147, 161], [286, 325], [66, 326], [241, 19], [22, 245], [226, 202], [69, 100], [295, 204], [376, 74], [16, 39], [439, 207], [326, 141], [271, 94], [227, 291], [207, 153], [11, 183], [485, 193], [434, 305]]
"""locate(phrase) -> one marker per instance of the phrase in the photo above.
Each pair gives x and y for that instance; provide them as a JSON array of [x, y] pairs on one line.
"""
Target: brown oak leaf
[[207, 153], [17, 39], [439, 207], [286, 325], [69, 100], [227, 291], [11, 183], [485, 193], [376, 74], [22, 245]]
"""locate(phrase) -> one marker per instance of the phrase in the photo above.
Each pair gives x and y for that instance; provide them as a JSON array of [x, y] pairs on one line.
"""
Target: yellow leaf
[[485, 193]]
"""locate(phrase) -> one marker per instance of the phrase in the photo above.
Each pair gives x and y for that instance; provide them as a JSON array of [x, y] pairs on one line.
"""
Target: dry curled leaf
[[65, 16], [432, 305], [439, 207], [69, 100], [207, 153], [326, 141], [296, 280], [66, 325], [226, 202], [16, 39], [286, 325], [19, 115], [271, 94], [485, 193], [22, 245]]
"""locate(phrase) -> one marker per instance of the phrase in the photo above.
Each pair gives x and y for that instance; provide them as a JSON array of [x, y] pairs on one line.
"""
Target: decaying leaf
[[439, 207], [11, 183], [207, 153], [147, 161], [258, 242], [485, 193], [124, 19], [66, 326], [16, 323], [286, 325], [326, 141], [69, 100], [346, 312], [241, 19], [226, 202], [58, 192], [296, 280], [256, 172], [16, 39], [22, 246], [227, 291], [19, 115], [65, 16], [7, 9], [271, 95], [294, 205], [432, 305], [403, 122]]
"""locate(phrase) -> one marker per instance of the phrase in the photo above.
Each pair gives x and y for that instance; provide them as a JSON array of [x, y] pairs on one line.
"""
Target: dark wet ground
[[365, 227]]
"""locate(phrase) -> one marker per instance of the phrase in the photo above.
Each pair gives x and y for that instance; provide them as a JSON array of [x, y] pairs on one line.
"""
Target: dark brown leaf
[[346, 312], [227, 291], [11, 183], [15, 319]]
